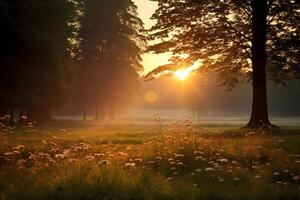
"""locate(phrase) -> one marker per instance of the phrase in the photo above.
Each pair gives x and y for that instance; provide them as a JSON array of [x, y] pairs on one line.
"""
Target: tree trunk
[[99, 112], [112, 108], [12, 121], [84, 111], [2, 111], [111, 112], [259, 115], [44, 114]]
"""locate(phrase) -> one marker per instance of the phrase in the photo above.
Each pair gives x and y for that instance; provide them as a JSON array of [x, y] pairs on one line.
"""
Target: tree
[[36, 57], [108, 54], [237, 39]]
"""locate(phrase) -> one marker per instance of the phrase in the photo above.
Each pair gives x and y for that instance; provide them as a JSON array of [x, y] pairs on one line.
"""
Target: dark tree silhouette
[[237, 39], [108, 54], [34, 56]]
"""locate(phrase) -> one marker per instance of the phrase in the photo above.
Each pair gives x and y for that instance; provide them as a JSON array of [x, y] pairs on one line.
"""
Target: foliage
[[34, 56], [218, 33]]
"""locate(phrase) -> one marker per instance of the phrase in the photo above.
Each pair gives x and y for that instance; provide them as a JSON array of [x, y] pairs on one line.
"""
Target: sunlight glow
[[181, 74], [184, 73]]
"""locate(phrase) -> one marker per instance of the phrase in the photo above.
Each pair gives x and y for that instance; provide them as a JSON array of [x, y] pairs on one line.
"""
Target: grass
[[178, 161]]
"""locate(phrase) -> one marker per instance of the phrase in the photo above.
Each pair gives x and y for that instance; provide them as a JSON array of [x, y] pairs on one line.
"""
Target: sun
[[182, 74]]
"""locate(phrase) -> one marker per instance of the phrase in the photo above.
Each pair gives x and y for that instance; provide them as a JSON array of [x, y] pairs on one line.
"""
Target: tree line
[[87, 52]]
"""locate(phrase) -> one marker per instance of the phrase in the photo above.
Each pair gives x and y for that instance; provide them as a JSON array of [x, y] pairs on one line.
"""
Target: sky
[[145, 9]]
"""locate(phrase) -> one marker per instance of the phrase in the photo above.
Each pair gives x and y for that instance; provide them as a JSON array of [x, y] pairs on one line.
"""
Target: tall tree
[[108, 53], [36, 56], [237, 39]]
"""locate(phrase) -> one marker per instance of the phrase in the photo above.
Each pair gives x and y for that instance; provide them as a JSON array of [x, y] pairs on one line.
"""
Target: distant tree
[[108, 54], [237, 39], [36, 57]]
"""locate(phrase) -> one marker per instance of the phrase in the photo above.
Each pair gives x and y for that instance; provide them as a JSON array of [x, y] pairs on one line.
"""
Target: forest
[[149, 99]]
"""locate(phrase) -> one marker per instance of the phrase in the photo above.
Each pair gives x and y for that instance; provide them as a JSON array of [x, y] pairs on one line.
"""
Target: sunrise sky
[[146, 8]]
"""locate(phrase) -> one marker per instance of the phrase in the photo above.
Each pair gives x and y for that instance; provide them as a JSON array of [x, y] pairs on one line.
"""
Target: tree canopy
[[237, 39], [219, 34], [34, 56], [109, 53]]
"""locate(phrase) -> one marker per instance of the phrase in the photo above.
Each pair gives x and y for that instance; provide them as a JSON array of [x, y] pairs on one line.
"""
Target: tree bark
[[259, 115]]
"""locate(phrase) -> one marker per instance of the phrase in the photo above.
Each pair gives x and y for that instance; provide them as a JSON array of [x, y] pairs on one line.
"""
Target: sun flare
[[181, 74]]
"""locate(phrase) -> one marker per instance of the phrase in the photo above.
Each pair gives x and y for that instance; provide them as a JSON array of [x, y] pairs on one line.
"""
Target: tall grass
[[180, 161]]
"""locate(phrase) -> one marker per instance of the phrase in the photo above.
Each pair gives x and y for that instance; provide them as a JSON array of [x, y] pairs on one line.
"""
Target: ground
[[72, 160]]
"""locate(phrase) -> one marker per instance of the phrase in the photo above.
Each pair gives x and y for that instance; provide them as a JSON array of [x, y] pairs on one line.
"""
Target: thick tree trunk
[[259, 115]]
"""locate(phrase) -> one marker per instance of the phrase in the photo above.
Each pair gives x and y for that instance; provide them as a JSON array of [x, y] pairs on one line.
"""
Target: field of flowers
[[176, 161]]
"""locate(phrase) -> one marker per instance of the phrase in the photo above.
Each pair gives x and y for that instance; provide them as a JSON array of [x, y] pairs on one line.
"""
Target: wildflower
[[198, 152], [20, 164], [236, 179], [103, 162], [51, 161], [223, 160], [151, 162], [199, 158], [220, 179], [257, 176], [99, 154], [275, 173], [296, 178], [178, 155], [122, 154], [234, 162], [208, 169], [60, 156], [16, 153], [297, 162], [53, 143], [198, 170], [8, 154], [138, 160], [158, 158], [130, 164], [19, 148], [89, 158], [169, 178], [44, 142]]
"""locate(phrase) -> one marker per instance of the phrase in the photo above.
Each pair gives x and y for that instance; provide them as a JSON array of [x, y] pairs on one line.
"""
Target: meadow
[[182, 160]]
